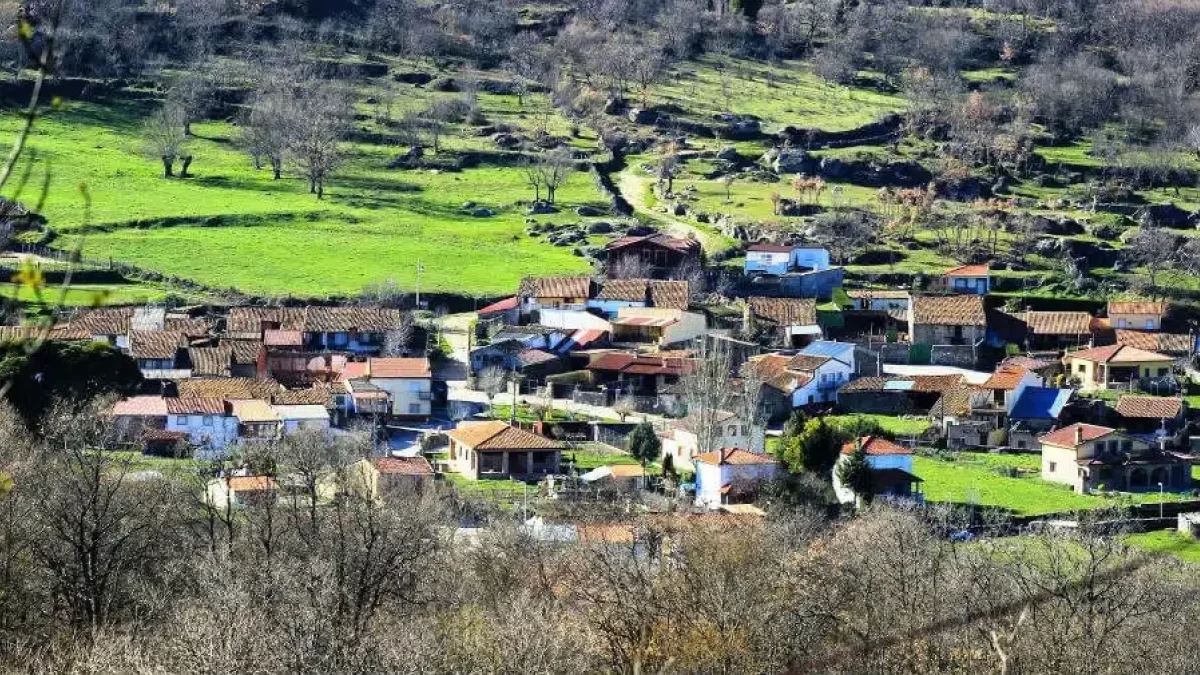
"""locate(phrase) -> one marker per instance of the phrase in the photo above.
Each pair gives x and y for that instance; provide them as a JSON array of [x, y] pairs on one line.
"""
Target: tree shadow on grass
[[265, 184]]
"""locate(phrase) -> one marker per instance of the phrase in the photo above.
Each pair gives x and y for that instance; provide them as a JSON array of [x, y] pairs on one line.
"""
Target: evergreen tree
[[855, 474], [815, 449], [644, 444]]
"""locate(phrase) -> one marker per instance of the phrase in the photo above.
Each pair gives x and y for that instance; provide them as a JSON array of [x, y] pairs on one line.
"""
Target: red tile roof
[[669, 294], [505, 305], [969, 271], [876, 446], [734, 456], [1116, 354], [1174, 343], [282, 338], [1006, 377], [155, 344], [141, 406], [1149, 407], [403, 466], [497, 435], [251, 483], [211, 361], [1137, 307], [399, 368], [624, 362], [1065, 437]]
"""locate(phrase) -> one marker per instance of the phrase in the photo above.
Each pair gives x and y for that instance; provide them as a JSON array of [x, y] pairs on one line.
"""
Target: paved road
[[453, 371]]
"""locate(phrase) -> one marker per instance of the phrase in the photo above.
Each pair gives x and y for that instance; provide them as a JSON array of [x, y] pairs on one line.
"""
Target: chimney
[[1078, 434]]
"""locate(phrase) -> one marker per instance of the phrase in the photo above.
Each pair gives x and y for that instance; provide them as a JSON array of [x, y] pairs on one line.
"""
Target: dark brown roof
[[1151, 407], [785, 311], [669, 294], [191, 327], [934, 383], [556, 287], [865, 384], [955, 402], [1058, 323], [876, 445], [313, 319], [255, 319], [211, 361], [949, 310], [155, 344], [245, 352], [625, 290], [807, 363], [233, 388], [103, 321], [195, 406], [659, 239]]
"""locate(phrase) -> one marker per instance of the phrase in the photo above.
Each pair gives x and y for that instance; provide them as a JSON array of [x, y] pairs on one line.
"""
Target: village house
[[659, 256], [494, 449], [616, 294], [663, 328], [374, 479], [643, 375], [240, 491], [1100, 367], [297, 418], [682, 438], [160, 354], [1136, 314], [792, 381], [731, 475], [356, 330], [211, 361], [947, 320], [1089, 457], [208, 423], [567, 292], [257, 421], [891, 470], [973, 279], [763, 258], [789, 322], [408, 383], [1056, 330], [894, 394], [1151, 418], [885, 301], [504, 311], [1004, 389]]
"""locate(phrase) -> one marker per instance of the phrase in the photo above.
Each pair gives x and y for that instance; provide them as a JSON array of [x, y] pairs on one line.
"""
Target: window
[[1149, 324], [1053, 466], [745, 430], [1021, 444], [1082, 368], [732, 430], [1122, 323], [208, 420], [1126, 446], [414, 408], [181, 420], [340, 338], [1162, 372]]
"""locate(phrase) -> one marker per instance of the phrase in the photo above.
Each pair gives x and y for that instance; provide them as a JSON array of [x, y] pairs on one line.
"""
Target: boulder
[[794, 161], [834, 169], [413, 78], [589, 212], [483, 213], [506, 141], [679, 210], [600, 227], [1168, 215], [541, 209], [728, 154], [615, 106], [445, 84], [467, 206], [640, 230], [643, 116], [1048, 247], [743, 129]]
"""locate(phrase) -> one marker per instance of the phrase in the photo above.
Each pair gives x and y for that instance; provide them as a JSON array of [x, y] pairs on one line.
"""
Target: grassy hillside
[[232, 226]]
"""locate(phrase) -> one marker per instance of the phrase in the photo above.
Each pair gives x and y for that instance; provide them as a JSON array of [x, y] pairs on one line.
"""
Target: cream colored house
[[1099, 367], [682, 440], [1089, 457], [657, 325], [495, 449], [1136, 314], [374, 478]]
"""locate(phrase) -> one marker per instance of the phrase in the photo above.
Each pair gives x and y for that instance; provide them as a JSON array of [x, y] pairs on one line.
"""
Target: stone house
[[1089, 457], [790, 322], [1136, 314], [947, 320], [657, 255]]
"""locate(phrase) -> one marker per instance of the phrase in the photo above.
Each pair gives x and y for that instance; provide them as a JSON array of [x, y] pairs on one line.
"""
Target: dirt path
[[453, 370], [633, 189]]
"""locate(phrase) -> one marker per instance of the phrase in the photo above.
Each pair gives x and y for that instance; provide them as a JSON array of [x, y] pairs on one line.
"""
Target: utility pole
[[420, 269]]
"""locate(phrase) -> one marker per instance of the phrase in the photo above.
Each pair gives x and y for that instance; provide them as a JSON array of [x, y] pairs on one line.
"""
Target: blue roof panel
[[1040, 403], [842, 351]]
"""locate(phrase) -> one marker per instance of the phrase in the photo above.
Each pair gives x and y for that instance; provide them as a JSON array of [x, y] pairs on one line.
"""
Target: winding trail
[[633, 188]]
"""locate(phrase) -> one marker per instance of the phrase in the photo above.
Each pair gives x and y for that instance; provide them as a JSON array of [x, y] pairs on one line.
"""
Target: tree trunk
[[168, 166], [276, 167], [187, 128], [320, 189], [183, 171]]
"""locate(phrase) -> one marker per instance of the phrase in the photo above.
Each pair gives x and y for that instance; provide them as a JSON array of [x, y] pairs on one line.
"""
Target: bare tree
[[268, 127], [710, 393], [556, 167], [319, 123], [166, 138]]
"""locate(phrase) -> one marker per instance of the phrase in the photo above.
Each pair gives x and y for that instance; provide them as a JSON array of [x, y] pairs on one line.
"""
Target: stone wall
[[875, 402], [959, 356]]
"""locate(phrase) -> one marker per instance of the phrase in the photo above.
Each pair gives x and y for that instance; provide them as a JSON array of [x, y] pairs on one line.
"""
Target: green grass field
[[92, 295], [1169, 542], [973, 478], [893, 425], [232, 226]]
